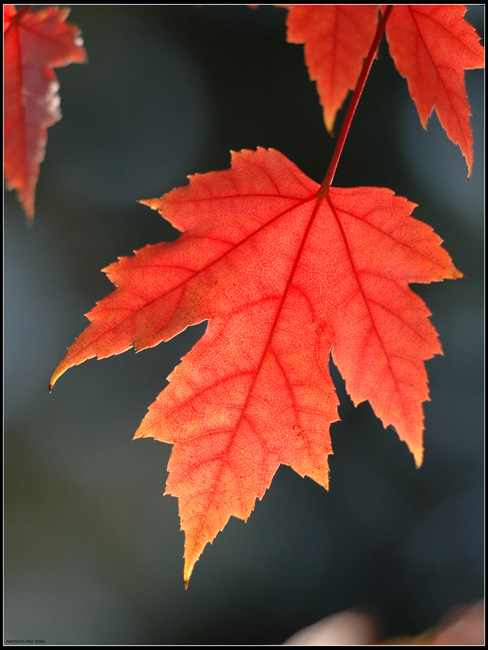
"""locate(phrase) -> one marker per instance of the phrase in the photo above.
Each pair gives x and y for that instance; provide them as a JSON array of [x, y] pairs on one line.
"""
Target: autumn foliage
[[431, 46], [288, 272], [34, 44]]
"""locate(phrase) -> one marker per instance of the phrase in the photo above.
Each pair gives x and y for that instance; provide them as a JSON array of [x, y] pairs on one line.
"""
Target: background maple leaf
[[82, 568], [336, 41], [431, 45], [34, 43]]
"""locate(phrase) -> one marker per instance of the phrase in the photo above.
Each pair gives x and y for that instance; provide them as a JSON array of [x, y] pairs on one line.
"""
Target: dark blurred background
[[93, 551]]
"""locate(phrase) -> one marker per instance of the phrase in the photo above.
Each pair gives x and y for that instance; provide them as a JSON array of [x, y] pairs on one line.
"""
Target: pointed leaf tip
[[149, 202], [418, 455]]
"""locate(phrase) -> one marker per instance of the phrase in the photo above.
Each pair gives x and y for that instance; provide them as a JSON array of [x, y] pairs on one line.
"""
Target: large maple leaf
[[431, 45], [285, 273], [34, 43]]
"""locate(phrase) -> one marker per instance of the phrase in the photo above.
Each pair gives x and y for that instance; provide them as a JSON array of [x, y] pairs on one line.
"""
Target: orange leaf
[[337, 38], [432, 46], [284, 277], [34, 43]]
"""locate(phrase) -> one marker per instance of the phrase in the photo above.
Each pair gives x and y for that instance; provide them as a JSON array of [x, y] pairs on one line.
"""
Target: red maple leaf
[[431, 45], [34, 43], [285, 273], [337, 39]]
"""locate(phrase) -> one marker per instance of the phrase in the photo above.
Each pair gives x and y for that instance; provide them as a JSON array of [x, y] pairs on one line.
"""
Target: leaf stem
[[327, 182]]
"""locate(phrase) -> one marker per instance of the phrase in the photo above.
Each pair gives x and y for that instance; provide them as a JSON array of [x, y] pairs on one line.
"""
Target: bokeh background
[[93, 551]]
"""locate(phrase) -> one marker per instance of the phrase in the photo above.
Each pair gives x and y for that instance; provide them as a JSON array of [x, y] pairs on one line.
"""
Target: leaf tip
[[61, 368], [329, 123], [28, 204], [418, 455], [455, 274], [140, 433], [152, 203], [29, 218], [52, 381], [187, 574]]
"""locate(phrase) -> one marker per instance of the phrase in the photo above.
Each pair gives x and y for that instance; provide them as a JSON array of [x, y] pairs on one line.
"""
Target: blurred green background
[[93, 551]]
